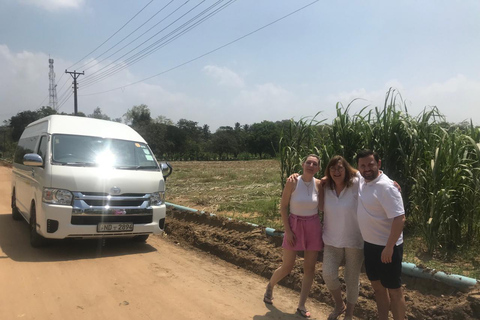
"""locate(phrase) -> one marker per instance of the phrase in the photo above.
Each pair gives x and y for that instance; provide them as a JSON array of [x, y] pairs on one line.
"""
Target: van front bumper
[[60, 222]]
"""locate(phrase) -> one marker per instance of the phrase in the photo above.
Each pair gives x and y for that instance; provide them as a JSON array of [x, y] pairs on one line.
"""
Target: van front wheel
[[36, 240], [15, 213]]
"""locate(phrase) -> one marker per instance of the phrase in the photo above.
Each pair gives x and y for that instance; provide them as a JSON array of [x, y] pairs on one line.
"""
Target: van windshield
[[75, 150]]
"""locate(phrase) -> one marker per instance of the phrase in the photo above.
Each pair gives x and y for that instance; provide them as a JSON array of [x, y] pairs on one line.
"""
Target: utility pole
[[75, 75]]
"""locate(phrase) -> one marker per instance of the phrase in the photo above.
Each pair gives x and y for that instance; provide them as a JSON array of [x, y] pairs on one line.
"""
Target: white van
[[76, 177]]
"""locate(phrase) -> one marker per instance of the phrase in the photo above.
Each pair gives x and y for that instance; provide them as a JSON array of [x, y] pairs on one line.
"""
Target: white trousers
[[332, 258]]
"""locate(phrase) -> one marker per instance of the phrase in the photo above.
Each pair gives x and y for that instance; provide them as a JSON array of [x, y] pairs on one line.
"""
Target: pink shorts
[[308, 233]]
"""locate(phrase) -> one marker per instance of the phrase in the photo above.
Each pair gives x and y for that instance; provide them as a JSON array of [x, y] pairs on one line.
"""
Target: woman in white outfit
[[341, 234]]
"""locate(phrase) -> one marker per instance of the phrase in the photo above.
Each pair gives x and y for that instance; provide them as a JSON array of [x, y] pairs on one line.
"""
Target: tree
[[139, 119], [241, 137], [163, 120], [193, 143], [263, 138], [155, 135], [138, 116], [97, 114], [20, 121], [206, 134], [45, 111], [175, 141], [224, 142]]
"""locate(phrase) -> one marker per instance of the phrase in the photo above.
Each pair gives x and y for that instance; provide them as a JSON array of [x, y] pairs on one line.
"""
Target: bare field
[[245, 190]]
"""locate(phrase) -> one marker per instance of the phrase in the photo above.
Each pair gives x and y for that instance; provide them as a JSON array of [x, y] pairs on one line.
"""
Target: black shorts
[[389, 274]]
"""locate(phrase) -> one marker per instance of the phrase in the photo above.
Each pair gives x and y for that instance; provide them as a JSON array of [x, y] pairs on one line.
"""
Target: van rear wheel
[[15, 213], [36, 240]]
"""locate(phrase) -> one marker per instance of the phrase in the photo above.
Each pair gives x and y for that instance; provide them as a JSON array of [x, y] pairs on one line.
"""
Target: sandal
[[268, 296], [304, 313], [335, 314]]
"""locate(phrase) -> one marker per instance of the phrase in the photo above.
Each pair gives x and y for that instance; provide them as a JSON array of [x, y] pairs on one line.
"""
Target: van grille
[[114, 203], [92, 208]]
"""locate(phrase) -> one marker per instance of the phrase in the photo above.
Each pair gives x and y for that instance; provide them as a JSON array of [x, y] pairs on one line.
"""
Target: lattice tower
[[52, 88]]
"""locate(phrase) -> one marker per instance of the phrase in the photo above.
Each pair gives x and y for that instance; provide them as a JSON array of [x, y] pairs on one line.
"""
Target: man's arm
[[397, 228]]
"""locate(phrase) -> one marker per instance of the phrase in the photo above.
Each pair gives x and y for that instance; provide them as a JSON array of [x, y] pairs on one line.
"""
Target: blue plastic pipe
[[273, 232], [453, 280], [168, 204], [408, 268]]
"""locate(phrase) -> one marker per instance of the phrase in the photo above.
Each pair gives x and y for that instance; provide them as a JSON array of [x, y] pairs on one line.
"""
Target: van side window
[[42, 148], [25, 145]]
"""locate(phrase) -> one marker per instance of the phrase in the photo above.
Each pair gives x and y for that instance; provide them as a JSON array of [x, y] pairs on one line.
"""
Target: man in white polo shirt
[[381, 218]]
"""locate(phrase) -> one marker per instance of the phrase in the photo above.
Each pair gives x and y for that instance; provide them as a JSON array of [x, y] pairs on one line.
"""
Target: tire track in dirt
[[248, 247]]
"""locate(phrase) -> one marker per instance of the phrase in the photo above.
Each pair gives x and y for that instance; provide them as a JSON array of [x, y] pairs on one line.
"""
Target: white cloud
[[458, 98], [266, 96], [264, 102], [23, 81], [224, 76], [54, 5]]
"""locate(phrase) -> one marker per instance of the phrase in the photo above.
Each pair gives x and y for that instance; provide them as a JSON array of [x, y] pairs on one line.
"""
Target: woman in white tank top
[[303, 230]]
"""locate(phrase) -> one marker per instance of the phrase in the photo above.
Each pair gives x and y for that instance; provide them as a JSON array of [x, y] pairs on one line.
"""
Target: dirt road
[[120, 279]]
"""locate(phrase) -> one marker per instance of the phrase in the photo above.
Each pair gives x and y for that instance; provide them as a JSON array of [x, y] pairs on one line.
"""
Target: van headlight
[[157, 198], [57, 196]]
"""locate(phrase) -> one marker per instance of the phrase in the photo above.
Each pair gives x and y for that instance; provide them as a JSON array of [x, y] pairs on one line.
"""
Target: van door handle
[[33, 172]]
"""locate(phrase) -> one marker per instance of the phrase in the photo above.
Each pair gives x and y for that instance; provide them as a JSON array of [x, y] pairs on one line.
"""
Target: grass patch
[[247, 190], [464, 262]]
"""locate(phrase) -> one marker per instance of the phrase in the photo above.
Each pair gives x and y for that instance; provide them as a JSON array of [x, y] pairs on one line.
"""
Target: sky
[[219, 62]]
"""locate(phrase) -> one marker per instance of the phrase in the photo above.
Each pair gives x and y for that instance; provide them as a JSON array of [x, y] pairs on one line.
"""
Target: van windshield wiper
[[78, 164], [135, 167]]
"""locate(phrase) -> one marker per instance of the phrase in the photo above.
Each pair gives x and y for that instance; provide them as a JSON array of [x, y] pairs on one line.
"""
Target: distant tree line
[[184, 140]]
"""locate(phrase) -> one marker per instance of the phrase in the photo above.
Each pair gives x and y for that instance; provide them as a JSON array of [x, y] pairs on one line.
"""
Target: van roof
[[64, 124]]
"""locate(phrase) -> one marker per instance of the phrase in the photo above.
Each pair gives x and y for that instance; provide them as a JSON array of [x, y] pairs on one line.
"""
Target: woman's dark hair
[[349, 171]]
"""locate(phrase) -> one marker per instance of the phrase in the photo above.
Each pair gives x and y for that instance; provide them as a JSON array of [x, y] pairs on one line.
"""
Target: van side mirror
[[32, 160], [166, 169]]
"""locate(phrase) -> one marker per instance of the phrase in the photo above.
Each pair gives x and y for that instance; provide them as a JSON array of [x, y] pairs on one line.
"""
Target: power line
[[64, 93], [63, 85], [43, 101], [83, 67], [111, 35], [65, 100], [173, 35], [207, 53], [96, 72]]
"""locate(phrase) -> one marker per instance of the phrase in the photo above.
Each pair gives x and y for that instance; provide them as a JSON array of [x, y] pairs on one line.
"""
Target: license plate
[[114, 226]]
